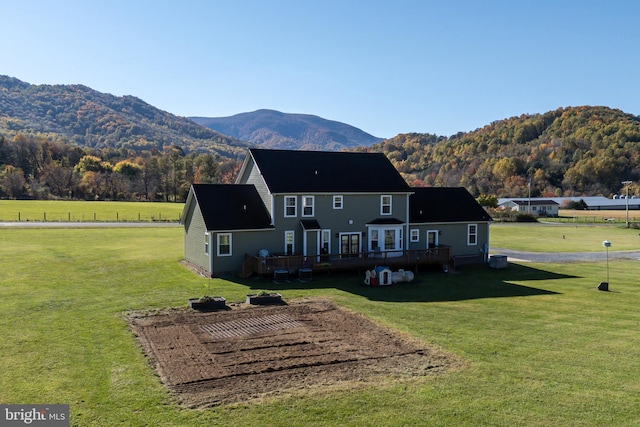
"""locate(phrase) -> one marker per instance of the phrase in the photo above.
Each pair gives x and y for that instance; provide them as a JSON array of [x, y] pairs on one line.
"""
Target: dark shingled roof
[[385, 221], [445, 204], [231, 207], [310, 224], [287, 171]]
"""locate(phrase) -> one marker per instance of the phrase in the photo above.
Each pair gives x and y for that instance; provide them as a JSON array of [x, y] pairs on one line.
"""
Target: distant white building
[[535, 207], [594, 203]]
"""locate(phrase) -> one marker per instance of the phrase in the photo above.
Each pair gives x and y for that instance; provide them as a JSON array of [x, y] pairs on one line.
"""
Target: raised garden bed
[[263, 298], [207, 303]]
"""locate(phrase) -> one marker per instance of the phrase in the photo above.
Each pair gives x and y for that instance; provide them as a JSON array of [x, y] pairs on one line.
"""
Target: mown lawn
[[563, 238], [541, 346], [84, 211]]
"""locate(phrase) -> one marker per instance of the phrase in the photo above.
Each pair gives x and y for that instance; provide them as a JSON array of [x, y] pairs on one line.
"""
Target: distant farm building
[[535, 207], [593, 203]]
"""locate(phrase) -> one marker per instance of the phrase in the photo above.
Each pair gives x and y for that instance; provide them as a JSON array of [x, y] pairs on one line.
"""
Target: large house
[[316, 210]]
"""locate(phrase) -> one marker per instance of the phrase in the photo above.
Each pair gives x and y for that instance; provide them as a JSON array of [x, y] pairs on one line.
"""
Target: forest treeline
[[571, 151], [35, 167]]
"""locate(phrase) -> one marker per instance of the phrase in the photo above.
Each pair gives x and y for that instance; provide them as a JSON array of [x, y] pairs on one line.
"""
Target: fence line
[[90, 217]]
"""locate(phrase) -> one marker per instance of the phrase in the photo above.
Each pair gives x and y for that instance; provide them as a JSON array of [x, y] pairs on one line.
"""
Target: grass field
[[563, 238], [83, 211], [540, 345], [604, 216]]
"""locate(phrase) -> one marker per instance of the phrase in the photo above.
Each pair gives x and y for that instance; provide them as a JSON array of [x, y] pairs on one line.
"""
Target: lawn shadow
[[470, 282]]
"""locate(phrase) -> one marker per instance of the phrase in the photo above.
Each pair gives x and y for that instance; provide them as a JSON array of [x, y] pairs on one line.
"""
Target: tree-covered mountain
[[569, 151], [273, 129], [566, 152], [88, 118]]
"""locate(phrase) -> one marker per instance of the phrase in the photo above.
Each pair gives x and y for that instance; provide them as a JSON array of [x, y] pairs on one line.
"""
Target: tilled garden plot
[[245, 353]]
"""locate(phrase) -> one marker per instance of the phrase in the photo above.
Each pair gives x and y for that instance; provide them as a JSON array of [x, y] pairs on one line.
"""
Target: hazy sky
[[387, 67]]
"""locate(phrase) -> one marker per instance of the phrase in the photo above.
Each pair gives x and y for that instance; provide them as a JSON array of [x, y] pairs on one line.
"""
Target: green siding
[[194, 237], [242, 243], [357, 211], [252, 176], [455, 236]]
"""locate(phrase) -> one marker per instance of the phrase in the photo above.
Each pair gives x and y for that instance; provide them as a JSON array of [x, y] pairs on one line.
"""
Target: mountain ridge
[[274, 129], [89, 118], [584, 150]]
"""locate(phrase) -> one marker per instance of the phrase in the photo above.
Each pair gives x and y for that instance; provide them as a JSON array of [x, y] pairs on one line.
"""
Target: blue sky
[[387, 67]]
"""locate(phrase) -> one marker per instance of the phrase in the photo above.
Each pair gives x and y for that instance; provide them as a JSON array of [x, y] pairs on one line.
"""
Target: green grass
[[563, 238], [82, 211], [540, 345]]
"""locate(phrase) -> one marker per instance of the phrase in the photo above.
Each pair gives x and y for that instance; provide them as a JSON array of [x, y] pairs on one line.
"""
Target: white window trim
[[350, 233], [382, 204], [293, 241], [313, 203], [206, 243], [436, 233], [415, 235], [325, 233], [340, 200], [219, 235], [295, 206], [469, 234], [381, 238]]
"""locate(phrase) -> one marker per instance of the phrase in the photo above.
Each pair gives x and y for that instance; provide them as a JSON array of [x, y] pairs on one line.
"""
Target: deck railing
[[329, 262]]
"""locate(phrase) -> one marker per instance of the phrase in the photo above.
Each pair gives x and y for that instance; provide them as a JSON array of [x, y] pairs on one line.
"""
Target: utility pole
[[529, 185], [627, 200]]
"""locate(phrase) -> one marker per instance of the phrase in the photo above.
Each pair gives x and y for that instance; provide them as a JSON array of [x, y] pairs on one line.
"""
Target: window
[[224, 244], [415, 235], [337, 202], [288, 242], [385, 239], [375, 244], [385, 205], [389, 239], [472, 234], [290, 206], [326, 242], [206, 243], [307, 205]]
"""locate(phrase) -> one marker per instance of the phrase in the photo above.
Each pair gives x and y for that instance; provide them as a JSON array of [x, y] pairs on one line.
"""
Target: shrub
[[579, 205], [525, 217]]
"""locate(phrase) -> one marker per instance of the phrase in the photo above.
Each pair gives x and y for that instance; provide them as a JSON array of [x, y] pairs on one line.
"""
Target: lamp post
[[627, 211], [604, 286]]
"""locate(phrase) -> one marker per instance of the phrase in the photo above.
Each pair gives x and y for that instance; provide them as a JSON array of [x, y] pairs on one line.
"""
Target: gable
[[445, 204], [230, 207], [286, 171]]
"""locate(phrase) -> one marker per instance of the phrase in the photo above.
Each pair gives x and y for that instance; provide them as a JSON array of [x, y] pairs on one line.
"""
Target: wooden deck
[[334, 262]]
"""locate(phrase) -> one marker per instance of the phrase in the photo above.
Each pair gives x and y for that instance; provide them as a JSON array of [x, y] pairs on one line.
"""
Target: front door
[[350, 244]]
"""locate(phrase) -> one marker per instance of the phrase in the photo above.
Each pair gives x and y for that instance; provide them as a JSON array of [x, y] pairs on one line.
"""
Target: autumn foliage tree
[[565, 152], [35, 167]]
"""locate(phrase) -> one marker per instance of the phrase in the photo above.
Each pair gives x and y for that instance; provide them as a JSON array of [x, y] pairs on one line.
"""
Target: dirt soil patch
[[250, 352]]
